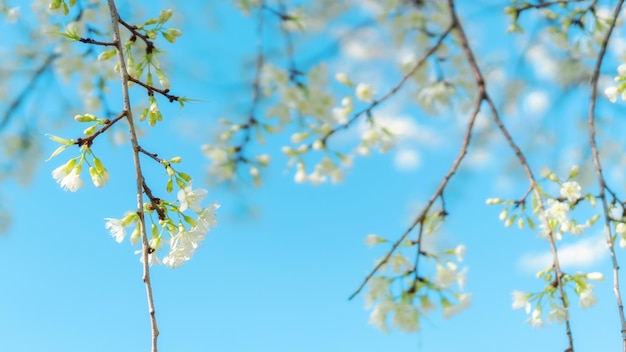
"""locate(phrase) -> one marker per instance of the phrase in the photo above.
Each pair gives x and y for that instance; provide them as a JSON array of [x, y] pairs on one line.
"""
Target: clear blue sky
[[276, 273]]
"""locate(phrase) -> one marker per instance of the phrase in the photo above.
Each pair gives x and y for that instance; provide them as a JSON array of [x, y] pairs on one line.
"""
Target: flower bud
[[596, 276], [165, 15], [343, 78]]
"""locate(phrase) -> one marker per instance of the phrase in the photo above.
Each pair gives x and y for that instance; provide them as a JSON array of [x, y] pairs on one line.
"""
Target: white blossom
[[343, 78], [176, 257], [60, 172], [596, 276], [459, 252], [570, 190], [535, 320], [207, 218], [611, 93], [378, 316], [398, 263], [98, 177], [300, 176], [557, 210], [365, 92], [116, 229], [445, 277], [191, 199], [371, 240], [406, 317], [587, 298], [378, 288], [557, 314], [72, 181], [520, 300]]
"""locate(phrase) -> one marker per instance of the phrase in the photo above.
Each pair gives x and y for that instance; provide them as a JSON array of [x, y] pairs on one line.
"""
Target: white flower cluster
[[555, 220], [436, 96], [416, 300], [68, 174], [557, 313], [183, 240]]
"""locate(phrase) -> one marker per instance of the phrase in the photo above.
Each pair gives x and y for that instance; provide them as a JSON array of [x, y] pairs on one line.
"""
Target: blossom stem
[[125, 77]]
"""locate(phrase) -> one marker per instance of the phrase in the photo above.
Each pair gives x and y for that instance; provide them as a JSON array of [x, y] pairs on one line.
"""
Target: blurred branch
[[598, 166], [17, 102], [480, 81]]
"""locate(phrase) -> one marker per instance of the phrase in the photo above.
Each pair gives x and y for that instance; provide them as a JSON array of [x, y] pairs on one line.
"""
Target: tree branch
[[598, 166], [419, 220], [533, 182], [125, 78]]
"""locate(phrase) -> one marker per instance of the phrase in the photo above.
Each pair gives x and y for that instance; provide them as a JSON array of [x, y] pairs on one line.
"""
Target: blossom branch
[[125, 78], [419, 220], [154, 156], [133, 29], [152, 89], [256, 89], [545, 4], [367, 111], [598, 167], [89, 140], [155, 203], [96, 42], [293, 69], [480, 81]]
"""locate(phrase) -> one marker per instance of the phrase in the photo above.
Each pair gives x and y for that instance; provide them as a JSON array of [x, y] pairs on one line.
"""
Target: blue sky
[[276, 273]]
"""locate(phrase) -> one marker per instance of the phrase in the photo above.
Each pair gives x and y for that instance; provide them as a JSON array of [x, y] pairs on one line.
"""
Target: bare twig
[[599, 173], [96, 42], [125, 78]]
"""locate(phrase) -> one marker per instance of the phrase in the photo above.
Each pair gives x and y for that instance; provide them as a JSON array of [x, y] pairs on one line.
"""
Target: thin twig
[[95, 42], [89, 140], [256, 89], [545, 4], [152, 89], [600, 175], [125, 78]]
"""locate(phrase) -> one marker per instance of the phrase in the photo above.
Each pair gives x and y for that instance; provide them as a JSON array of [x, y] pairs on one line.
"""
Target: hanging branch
[[419, 220], [252, 121], [146, 250], [480, 81], [598, 167], [367, 111]]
